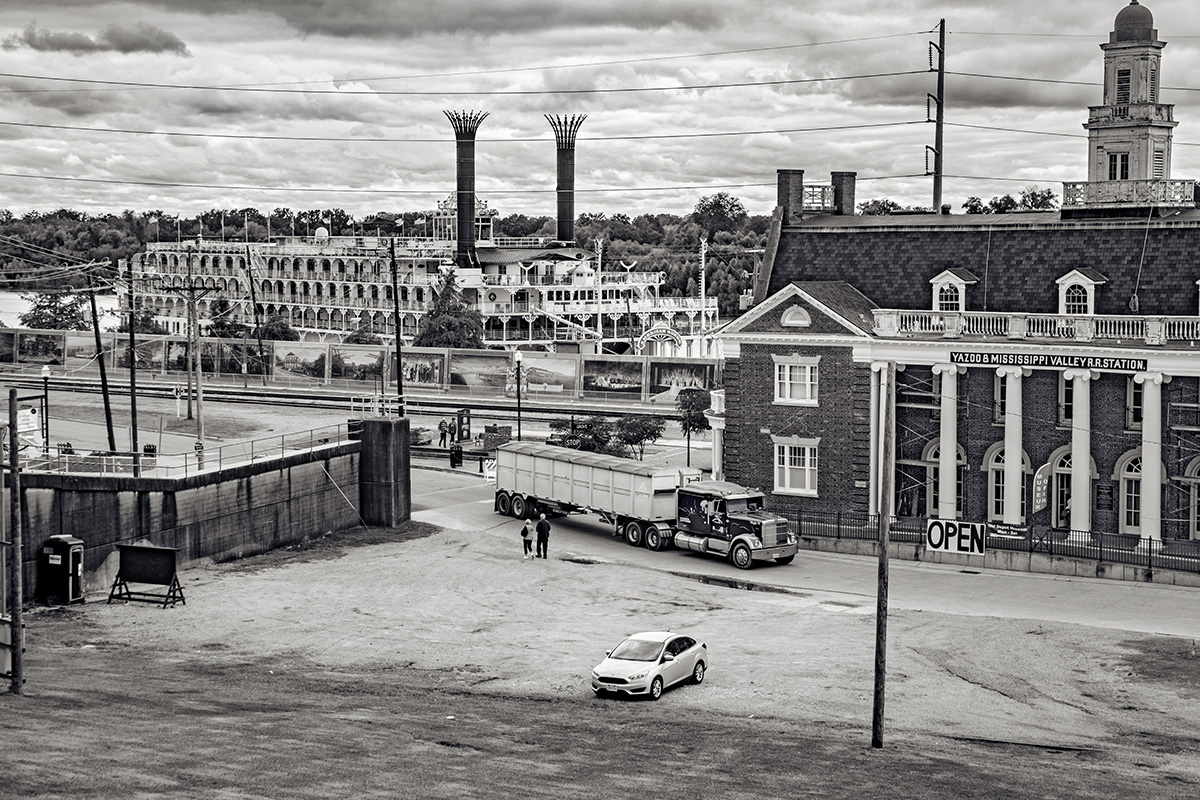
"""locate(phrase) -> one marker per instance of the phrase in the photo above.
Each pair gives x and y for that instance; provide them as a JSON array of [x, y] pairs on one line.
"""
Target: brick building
[[1069, 337]]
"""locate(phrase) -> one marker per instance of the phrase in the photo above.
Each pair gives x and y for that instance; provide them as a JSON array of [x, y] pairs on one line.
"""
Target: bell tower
[[1129, 137]]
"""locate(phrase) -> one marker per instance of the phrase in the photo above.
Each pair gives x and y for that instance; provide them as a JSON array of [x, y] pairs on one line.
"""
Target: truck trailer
[[650, 506]]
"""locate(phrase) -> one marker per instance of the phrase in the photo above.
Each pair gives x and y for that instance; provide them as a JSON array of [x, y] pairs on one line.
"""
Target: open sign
[[953, 536]]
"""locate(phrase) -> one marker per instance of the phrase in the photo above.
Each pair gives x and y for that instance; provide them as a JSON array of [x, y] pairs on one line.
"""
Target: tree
[[222, 324], [449, 322], [593, 434], [361, 335], [879, 207], [1002, 205], [277, 329], [974, 205], [54, 312], [692, 403], [719, 212], [639, 430], [143, 322], [1036, 199]]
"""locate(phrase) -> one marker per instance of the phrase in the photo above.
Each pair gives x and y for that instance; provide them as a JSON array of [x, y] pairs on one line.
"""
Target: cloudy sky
[[186, 105]]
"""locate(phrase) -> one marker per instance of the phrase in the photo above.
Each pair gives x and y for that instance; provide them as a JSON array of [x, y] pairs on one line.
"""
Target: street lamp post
[[517, 357], [46, 407]]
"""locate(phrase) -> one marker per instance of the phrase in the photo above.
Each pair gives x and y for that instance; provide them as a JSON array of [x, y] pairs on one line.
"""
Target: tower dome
[[1135, 23]]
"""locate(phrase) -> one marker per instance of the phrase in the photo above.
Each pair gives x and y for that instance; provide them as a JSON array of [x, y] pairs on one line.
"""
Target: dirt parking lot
[[436, 663]]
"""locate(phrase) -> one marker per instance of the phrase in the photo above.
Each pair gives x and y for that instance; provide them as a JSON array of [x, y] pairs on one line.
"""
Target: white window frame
[[999, 398], [1193, 472], [809, 383], [932, 458], [1066, 400], [1128, 475], [1118, 166], [1077, 300], [786, 450], [1135, 404], [993, 466], [944, 281], [1077, 278]]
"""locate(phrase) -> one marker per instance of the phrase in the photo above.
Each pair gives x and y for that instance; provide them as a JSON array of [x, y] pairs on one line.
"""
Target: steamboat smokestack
[[565, 130], [465, 123]]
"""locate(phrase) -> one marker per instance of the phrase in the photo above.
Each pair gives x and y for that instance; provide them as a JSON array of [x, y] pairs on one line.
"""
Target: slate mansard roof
[[1016, 257]]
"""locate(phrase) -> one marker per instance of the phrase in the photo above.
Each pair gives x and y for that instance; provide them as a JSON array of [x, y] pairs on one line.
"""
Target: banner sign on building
[[956, 536], [1041, 488], [1048, 361]]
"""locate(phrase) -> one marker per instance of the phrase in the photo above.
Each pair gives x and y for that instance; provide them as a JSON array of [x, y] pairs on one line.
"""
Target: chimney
[[565, 130], [465, 124], [791, 194], [843, 191]]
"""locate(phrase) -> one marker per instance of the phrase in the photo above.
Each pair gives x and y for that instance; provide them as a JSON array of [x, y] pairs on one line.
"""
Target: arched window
[[1076, 300], [1193, 472], [993, 464], [949, 298], [1130, 477], [931, 457]]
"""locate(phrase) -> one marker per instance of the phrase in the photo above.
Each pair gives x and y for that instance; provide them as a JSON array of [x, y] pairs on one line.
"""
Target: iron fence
[[1168, 553]]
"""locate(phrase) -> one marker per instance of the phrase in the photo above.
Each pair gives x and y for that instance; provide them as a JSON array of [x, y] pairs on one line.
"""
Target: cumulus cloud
[[140, 37]]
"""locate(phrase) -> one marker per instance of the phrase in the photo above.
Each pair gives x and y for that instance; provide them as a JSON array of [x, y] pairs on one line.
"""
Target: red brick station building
[[1059, 345]]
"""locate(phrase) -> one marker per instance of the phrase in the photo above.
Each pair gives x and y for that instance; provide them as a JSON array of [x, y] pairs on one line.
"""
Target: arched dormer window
[[1077, 292], [950, 289]]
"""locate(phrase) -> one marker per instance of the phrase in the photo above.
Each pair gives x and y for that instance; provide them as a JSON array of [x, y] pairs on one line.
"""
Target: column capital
[[949, 369], [1014, 372], [880, 366], [1151, 377], [1080, 374]]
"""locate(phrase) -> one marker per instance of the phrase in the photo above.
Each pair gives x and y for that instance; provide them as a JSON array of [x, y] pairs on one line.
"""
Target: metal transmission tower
[[565, 130], [465, 123]]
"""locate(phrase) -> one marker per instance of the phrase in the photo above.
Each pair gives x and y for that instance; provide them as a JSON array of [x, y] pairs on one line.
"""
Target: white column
[[1152, 477], [876, 438], [718, 451], [948, 442], [1014, 473], [1081, 447]]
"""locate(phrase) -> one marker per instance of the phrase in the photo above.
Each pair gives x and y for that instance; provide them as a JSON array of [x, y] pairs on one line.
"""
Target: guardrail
[[178, 465], [1177, 554]]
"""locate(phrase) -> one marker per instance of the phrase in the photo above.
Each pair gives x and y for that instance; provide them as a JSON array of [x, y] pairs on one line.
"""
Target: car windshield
[[637, 650]]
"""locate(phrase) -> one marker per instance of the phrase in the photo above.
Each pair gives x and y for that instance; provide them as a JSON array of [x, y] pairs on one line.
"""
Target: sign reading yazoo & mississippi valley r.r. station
[[1047, 360]]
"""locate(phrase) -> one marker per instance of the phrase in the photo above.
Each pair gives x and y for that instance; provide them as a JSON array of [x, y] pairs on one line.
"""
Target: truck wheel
[[518, 506], [654, 538], [504, 503], [785, 560], [634, 533], [740, 556]]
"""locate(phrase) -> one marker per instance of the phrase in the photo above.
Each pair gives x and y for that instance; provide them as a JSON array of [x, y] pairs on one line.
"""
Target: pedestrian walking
[[543, 536], [453, 431], [527, 539], [443, 429]]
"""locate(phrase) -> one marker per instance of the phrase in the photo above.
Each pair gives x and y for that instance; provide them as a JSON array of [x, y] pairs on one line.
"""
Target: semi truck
[[652, 506]]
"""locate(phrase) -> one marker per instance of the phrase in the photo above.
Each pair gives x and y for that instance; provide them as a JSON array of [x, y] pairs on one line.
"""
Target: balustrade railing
[[891, 323]]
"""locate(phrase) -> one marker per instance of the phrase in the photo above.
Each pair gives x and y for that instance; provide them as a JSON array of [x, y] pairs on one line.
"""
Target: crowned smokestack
[[565, 129], [465, 124]]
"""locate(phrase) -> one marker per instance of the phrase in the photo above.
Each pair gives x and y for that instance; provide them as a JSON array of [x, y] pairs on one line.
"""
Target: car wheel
[[634, 533], [740, 556], [654, 538], [656, 688], [504, 503], [518, 506], [785, 560], [698, 672]]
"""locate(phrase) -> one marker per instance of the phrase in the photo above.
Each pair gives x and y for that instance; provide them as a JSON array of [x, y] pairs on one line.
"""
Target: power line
[[1024, 79], [443, 139]]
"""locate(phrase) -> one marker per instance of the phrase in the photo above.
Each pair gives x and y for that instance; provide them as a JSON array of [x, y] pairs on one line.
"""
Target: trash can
[[456, 455], [60, 578]]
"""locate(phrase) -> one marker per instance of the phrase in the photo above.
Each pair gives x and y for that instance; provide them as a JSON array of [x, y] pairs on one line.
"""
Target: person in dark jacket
[[543, 536], [443, 429]]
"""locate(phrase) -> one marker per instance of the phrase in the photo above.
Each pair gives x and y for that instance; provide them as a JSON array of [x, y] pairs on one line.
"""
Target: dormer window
[[1077, 292], [950, 289]]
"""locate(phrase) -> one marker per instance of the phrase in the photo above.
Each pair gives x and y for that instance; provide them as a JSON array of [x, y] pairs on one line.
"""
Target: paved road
[[464, 502]]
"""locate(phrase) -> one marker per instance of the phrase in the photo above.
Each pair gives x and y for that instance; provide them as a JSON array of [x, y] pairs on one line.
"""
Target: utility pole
[[887, 402], [16, 582], [108, 418], [262, 368], [703, 270], [133, 423], [196, 363], [399, 336], [940, 119]]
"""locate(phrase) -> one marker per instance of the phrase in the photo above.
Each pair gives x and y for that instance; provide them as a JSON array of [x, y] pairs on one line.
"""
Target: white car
[[647, 663]]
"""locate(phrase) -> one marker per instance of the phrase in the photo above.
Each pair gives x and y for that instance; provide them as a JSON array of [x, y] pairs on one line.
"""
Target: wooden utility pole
[[16, 582], [196, 364], [108, 417], [133, 422], [887, 402], [399, 336]]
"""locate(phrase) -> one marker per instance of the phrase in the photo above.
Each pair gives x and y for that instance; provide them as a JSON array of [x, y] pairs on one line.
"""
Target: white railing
[[817, 198], [891, 323], [1115, 194]]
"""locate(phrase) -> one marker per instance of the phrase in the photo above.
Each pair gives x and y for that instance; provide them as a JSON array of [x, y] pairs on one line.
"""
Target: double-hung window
[[796, 380], [796, 466]]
